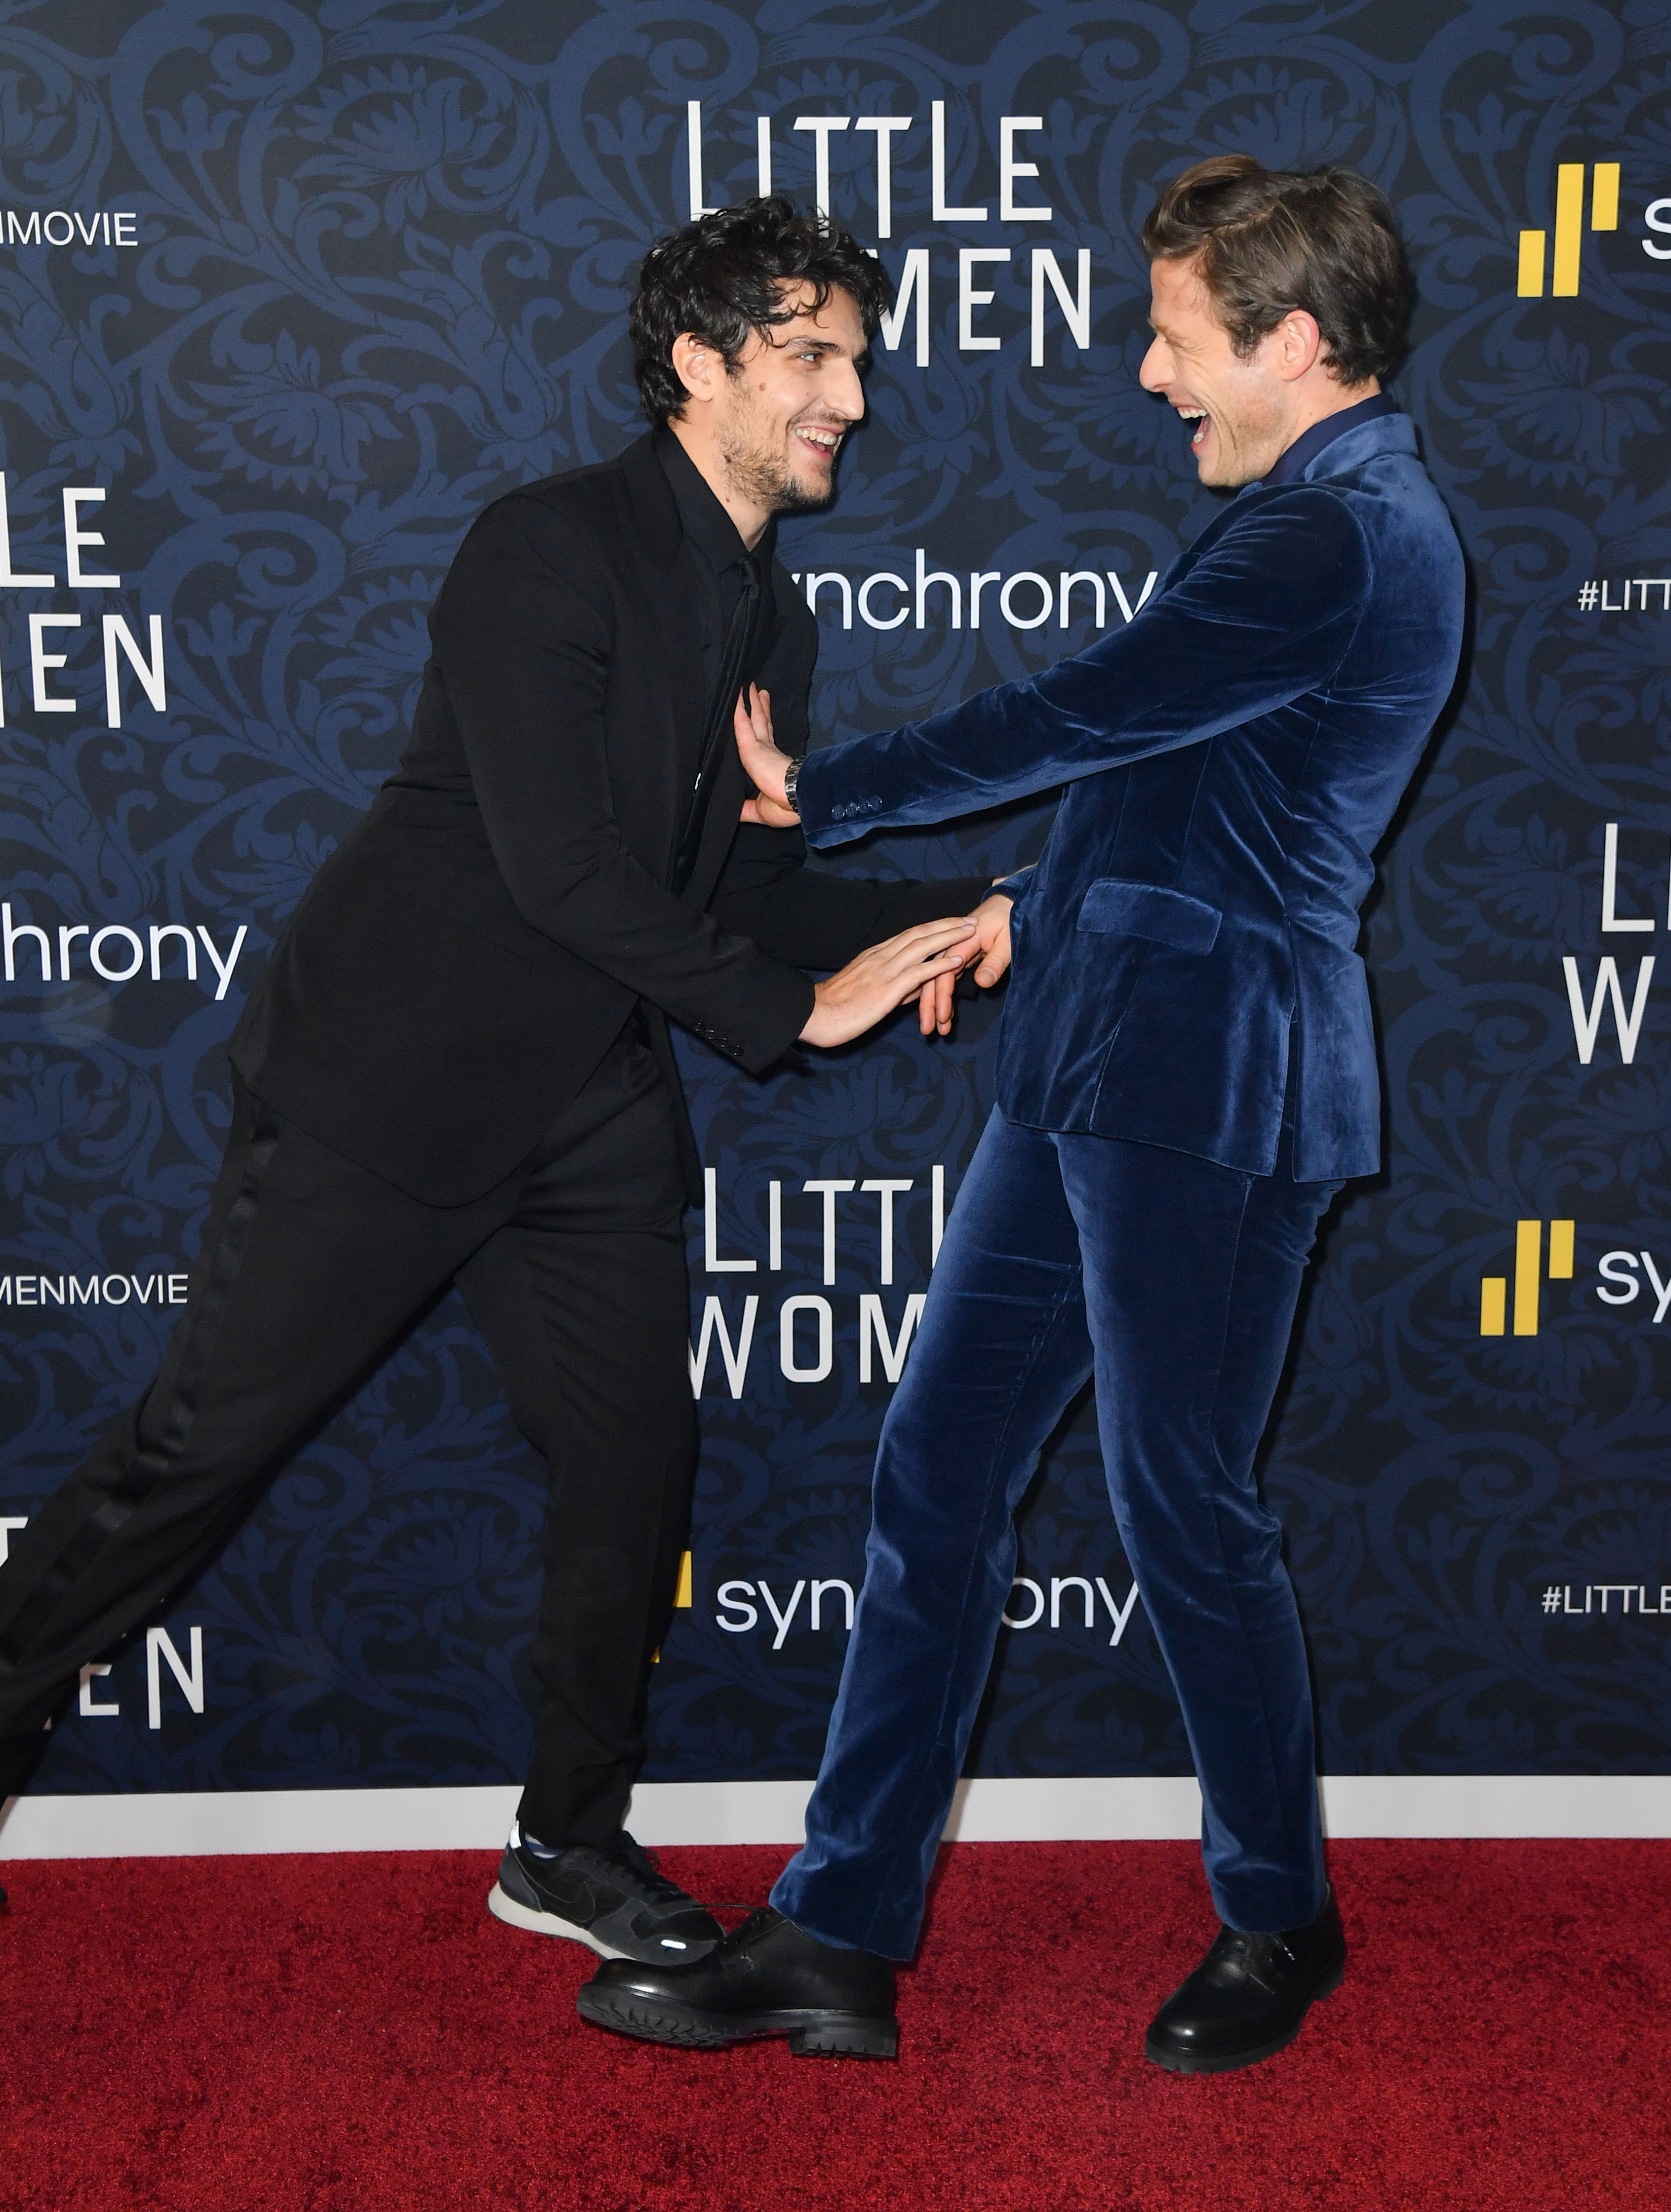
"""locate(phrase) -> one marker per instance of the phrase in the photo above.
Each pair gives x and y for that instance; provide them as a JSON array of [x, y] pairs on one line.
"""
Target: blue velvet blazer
[[1232, 757]]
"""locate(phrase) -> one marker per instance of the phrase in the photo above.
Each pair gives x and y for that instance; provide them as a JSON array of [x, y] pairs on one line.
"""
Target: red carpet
[[355, 2034]]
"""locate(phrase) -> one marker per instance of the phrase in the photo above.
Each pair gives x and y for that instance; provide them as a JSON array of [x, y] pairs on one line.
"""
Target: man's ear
[[697, 366], [1299, 343]]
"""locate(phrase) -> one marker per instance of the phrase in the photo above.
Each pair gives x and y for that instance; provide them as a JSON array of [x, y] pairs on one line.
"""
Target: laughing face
[[789, 401], [1238, 409]]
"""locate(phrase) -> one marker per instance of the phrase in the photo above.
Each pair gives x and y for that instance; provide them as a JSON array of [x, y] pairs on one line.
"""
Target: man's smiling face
[[1240, 410], [789, 401]]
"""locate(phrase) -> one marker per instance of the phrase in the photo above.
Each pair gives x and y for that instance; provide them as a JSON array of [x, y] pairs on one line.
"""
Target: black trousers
[[312, 1271]]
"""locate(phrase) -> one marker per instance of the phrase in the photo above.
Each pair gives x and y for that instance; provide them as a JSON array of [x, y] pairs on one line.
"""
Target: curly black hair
[[722, 277], [1271, 241]]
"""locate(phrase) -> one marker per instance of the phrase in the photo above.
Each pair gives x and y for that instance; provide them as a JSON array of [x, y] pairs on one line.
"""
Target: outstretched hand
[[764, 765], [909, 966]]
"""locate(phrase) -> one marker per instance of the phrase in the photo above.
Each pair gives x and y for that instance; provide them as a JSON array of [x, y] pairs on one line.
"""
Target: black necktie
[[733, 666]]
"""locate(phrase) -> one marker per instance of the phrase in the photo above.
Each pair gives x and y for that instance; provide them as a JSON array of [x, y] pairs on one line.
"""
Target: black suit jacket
[[459, 966]]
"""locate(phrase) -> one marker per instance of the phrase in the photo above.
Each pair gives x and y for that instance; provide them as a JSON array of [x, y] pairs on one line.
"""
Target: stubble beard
[[1253, 431], [764, 478]]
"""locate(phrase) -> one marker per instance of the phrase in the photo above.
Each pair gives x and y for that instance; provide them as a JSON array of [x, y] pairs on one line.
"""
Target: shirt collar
[[1291, 466], [705, 521]]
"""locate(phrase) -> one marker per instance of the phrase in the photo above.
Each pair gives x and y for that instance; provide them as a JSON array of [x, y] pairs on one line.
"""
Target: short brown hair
[[1268, 240]]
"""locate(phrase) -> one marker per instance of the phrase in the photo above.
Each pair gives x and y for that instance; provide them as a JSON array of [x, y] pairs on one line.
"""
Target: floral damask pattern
[[380, 253]]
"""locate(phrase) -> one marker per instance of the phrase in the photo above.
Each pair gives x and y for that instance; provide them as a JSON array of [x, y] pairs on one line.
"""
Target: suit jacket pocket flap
[[1117, 909]]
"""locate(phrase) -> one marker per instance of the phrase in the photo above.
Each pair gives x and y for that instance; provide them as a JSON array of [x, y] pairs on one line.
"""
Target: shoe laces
[[646, 1870], [1255, 1953], [757, 1920]]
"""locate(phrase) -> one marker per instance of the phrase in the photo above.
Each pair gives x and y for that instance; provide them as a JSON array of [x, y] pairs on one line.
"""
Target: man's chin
[[1216, 474], [1209, 460], [800, 495]]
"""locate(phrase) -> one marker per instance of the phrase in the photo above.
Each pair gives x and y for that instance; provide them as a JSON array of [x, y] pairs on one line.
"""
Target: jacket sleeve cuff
[[827, 818], [778, 1011]]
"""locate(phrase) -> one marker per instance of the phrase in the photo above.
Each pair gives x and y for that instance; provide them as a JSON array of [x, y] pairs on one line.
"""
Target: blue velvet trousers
[[1172, 1282]]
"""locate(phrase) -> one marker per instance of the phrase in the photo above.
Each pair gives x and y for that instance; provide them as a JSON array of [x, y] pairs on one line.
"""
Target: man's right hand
[[859, 995]]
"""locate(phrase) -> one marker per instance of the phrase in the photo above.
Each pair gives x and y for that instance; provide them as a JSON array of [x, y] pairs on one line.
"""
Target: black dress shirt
[[710, 559]]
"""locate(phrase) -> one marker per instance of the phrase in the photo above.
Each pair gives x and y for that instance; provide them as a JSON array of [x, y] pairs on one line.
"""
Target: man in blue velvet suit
[[1188, 1076]]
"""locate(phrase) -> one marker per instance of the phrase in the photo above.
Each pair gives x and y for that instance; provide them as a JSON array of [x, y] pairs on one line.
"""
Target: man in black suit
[[456, 1068]]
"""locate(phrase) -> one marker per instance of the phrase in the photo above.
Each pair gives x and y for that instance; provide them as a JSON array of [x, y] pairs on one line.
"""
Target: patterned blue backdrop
[[288, 292]]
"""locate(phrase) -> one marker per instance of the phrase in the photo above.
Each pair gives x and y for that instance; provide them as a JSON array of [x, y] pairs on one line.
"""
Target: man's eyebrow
[[809, 344]]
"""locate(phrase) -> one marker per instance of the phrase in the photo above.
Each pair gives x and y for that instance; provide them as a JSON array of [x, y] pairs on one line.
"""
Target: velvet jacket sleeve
[[1265, 615], [523, 632]]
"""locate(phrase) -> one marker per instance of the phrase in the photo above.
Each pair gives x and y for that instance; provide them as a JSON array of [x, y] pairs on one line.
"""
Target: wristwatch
[[791, 778]]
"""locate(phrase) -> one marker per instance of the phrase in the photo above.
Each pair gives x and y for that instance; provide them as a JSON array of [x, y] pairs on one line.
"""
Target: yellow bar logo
[[1529, 1273], [1569, 229], [682, 1595]]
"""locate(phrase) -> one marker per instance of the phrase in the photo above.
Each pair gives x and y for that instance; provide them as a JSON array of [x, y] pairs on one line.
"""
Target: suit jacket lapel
[[732, 785]]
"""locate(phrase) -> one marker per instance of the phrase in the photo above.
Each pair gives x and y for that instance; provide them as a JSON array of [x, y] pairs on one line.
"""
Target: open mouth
[[820, 438], [1201, 420]]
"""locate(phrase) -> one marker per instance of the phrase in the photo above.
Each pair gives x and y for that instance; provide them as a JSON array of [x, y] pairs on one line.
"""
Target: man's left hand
[[989, 953]]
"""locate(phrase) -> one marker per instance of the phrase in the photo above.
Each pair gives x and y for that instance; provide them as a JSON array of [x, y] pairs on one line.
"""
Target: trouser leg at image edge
[[310, 1269]]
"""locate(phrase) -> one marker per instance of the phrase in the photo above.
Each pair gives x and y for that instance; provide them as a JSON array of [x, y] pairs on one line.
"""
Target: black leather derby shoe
[[1246, 1999], [767, 1977]]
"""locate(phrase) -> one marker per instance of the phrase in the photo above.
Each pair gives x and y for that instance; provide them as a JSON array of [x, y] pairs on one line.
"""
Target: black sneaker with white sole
[[615, 1901]]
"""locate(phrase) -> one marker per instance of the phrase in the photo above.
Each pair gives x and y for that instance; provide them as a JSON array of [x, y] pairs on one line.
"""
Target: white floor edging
[[1060, 1810]]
